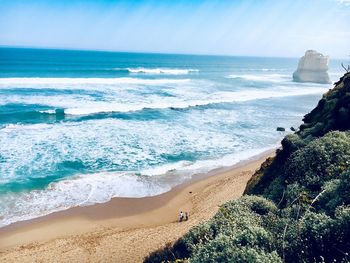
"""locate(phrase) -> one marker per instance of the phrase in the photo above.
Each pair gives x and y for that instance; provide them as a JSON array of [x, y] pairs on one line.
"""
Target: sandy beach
[[124, 229]]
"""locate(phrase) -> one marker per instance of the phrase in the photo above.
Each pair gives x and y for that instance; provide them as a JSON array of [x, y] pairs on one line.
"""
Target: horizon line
[[136, 51], [152, 52]]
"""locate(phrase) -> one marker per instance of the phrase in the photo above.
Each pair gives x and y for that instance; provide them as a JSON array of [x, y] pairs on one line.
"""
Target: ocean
[[81, 127]]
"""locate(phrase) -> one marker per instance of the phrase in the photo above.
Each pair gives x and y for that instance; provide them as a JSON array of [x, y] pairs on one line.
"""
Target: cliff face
[[312, 67], [332, 112]]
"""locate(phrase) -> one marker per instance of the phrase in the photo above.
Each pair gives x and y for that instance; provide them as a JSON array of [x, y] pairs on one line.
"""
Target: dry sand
[[124, 229]]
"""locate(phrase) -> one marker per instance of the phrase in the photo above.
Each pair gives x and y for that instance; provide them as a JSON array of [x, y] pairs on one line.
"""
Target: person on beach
[[186, 216], [181, 216]]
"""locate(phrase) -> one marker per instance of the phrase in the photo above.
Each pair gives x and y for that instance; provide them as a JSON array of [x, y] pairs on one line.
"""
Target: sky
[[278, 28]]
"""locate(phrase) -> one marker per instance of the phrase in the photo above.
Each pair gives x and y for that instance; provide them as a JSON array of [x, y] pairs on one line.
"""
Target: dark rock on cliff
[[332, 112]]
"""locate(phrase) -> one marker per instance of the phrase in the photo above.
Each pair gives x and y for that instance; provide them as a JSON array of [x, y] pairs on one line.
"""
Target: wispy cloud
[[344, 2]]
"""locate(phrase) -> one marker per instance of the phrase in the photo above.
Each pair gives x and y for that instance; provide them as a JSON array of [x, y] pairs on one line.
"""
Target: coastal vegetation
[[296, 207]]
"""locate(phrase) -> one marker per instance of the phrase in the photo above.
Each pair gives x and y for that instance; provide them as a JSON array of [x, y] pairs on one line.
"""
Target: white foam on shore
[[89, 189], [154, 71], [80, 190], [203, 166]]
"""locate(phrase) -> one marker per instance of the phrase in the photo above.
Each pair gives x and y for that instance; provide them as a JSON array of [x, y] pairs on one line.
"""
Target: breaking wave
[[166, 71], [23, 82]]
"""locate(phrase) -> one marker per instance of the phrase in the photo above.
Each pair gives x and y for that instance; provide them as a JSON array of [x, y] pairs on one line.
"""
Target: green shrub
[[308, 168], [222, 250], [321, 159]]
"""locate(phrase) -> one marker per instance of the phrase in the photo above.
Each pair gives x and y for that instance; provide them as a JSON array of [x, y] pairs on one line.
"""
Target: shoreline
[[119, 216]]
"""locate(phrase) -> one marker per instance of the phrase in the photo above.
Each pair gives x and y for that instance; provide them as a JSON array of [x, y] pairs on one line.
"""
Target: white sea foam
[[218, 97], [183, 98], [154, 71], [170, 167], [262, 69], [271, 69], [15, 127], [186, 168], [48, 111], [260, 77], [116, 143], [63, 82]]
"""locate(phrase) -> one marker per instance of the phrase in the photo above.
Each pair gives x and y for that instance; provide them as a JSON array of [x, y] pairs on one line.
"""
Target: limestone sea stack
[[312, 67]]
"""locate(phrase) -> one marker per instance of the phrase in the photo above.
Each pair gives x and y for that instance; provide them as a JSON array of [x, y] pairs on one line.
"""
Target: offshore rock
[[312, 67]]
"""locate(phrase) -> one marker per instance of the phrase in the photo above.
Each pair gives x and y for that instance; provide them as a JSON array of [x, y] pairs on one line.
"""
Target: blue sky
[[237, 27]]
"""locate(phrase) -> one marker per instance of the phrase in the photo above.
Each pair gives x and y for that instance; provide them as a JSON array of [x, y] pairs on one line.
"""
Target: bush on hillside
[[307, 169]]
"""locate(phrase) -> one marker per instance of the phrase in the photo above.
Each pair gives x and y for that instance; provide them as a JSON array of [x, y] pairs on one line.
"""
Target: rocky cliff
[[331, 113]]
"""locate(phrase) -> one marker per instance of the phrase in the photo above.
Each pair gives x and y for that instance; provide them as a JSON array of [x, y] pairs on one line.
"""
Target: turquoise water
[[81, 127]]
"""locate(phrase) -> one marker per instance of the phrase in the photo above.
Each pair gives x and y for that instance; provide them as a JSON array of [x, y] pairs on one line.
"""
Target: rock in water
[[313, 67], [59, 114]]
